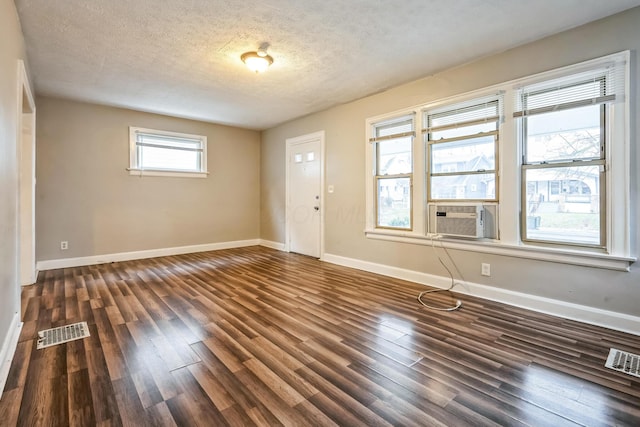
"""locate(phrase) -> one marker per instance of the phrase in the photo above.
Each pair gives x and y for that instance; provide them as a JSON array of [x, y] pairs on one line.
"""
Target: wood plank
[[81, 412]]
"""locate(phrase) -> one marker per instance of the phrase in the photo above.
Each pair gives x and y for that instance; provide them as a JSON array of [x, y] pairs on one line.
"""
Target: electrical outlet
[[64, 245], [486, 269]]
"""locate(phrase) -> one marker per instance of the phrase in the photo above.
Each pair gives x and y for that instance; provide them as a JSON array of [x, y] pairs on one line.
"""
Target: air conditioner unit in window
[[462, 220]]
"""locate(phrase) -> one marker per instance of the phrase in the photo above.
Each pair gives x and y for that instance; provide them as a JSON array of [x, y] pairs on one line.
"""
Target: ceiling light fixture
[[258, 61]]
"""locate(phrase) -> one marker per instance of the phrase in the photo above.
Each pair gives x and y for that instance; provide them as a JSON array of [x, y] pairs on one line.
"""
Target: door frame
[[290, 143], [26, 165]]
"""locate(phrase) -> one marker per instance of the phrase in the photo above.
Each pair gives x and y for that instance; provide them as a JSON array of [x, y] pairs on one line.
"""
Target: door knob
[[317, 208]]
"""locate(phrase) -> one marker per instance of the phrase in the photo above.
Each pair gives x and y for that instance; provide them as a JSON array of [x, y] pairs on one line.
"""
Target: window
[[153, 152], [462, 151], [546, 156], [393, 146], [563, 128]]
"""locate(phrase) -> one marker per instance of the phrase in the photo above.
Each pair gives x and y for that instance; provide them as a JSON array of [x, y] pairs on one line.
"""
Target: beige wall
[[345, 169], [85, 195], [11, 49]]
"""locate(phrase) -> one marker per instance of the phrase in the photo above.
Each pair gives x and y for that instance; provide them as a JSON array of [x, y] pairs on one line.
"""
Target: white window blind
[[393, 130], [167, 142], [604, 84], [478, 113]]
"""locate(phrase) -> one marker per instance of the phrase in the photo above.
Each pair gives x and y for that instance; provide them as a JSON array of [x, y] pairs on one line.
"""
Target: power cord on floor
[[431, 291]]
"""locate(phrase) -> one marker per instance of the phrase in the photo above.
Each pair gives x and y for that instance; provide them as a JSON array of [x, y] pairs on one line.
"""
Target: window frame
[[375, 140], [430, 143], [134, 158], [600, 161], [616, 253]]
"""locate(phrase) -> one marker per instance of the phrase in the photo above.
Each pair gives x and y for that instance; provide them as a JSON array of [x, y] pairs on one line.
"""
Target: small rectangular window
[[154, 152], [462, 151], [393, 147]]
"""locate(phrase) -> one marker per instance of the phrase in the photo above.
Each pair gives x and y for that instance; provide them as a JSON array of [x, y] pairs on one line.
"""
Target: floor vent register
[[62, 334], [623, 361]]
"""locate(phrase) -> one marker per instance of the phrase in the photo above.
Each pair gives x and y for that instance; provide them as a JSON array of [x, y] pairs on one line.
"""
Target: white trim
[[619, 180], [151, 253], [582, 313], [290, 142], [540, 253], [273, 245], [8, 349]]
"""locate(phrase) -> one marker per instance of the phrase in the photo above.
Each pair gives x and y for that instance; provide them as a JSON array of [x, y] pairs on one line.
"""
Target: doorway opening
[[26, 161]]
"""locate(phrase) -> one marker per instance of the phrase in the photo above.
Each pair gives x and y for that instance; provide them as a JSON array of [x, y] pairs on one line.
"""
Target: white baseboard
[[8, 349], [152, 253], [594, 316], [273, 245]]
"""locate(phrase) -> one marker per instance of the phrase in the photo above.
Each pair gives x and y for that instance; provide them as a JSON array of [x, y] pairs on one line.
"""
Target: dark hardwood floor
[[254, 336]]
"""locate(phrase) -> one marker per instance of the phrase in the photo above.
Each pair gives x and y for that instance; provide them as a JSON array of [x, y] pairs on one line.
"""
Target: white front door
[[304, 194]]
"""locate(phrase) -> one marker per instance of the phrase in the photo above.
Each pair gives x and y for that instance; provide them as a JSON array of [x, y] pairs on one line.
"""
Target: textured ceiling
[[182, 57]]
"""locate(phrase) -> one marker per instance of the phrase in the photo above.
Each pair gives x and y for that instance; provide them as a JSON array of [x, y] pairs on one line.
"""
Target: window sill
[[562, 256], [174, 174]]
